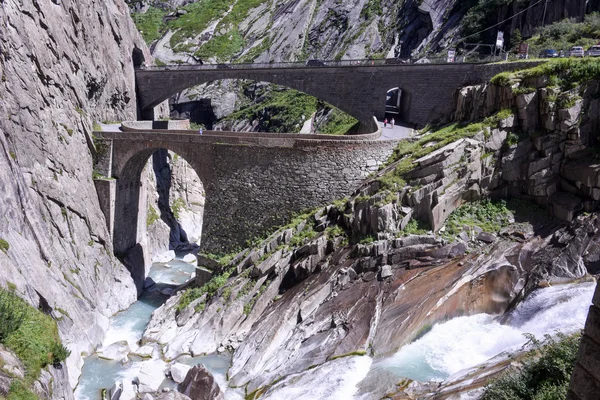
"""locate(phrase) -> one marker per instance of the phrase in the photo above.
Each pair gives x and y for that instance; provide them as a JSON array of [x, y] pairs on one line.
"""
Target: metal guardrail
[[320, 63]]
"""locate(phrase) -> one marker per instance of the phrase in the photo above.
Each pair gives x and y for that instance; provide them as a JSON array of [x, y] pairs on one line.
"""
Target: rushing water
[[129, 325], [465, 342]]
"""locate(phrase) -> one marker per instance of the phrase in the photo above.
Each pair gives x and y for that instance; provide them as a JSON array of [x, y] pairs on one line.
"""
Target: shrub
[[30, 334], [4, 246], [490, 216], [11, 314], [545, 374]]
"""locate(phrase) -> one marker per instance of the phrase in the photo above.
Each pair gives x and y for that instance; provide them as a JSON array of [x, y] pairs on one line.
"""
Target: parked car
[[549, 53], [594, 51], [315, 63], [576, 51]]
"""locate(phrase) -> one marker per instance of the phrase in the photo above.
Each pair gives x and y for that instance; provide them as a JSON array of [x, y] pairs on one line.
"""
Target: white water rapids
[[449, 347], [465, 342]]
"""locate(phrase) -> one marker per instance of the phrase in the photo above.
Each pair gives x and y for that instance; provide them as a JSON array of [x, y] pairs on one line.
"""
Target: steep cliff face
[[64, 64]]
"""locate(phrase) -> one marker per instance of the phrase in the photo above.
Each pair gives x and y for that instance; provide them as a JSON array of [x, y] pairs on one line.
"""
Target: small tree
[[515, 40]]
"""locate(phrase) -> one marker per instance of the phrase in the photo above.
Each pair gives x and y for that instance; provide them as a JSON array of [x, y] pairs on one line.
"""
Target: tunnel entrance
[[393, 104], [137, 57]]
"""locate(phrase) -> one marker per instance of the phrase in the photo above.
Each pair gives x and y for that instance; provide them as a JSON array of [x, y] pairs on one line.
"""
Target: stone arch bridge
[[252, 181], [359, 89]]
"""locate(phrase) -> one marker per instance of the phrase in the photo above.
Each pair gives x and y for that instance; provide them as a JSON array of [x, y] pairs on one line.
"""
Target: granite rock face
[[63, 65]]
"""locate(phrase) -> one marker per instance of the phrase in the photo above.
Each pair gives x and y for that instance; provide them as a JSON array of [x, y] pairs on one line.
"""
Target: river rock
[[189, 258], [165, 257], [179, 372], [115, 351], [200, 384], [486, 237], [172, 395], [151, 375], [386, 272], [145, 351], [115, 391]]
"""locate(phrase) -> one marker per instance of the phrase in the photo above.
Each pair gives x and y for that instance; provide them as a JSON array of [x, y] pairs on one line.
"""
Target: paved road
[[397, 132]]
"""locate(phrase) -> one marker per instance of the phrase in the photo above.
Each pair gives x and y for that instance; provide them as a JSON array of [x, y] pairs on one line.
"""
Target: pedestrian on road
[[200, 131], [385, 123], [392, 122]]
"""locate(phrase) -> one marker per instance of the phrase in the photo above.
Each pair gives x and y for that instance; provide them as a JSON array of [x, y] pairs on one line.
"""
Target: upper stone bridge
[[252, 181], [359, 89]]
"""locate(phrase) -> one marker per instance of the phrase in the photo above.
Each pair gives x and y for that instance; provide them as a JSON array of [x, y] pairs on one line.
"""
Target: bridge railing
[[319, 63]]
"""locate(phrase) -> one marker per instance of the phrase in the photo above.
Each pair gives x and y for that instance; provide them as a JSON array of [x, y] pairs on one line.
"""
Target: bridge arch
[[343, 103]]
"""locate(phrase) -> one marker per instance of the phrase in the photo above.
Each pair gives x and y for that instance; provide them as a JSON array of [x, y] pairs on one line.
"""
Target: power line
[[499, 23]]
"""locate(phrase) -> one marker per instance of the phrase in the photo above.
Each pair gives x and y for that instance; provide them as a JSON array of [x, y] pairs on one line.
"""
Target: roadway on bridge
[[395, 133], [387, 133]]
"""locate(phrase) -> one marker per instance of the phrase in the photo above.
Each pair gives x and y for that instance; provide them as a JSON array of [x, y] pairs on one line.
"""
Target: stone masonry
[[428, 89], [252, 182]]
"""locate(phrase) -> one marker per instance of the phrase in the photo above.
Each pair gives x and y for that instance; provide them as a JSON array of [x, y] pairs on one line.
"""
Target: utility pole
[[544, 17]]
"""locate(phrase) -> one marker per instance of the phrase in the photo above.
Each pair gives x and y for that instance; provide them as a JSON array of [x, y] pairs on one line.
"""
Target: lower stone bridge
[[252, 181], [358, 89]]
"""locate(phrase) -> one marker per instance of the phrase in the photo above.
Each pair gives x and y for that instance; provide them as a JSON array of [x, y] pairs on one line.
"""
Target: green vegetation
[[339, 123], [96, 126], [222, 47], [353, 353], [279, 110], [150, 23], [4, 246], [414, 227], [19, 391], [545, 374], [177, 207], [300, 238], [409, 151], [31, 335], [199, 15], [151, 216], [564, 34], [566, 73], [491, 216], [210, 288]]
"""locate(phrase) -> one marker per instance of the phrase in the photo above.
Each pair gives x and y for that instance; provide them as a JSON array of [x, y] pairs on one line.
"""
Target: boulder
[[115, 351], [164, 257], [189, 258], [115, 391], [151, 376], [200, 384], [172, 395], [179, 372], [486, 237], [386, 272]]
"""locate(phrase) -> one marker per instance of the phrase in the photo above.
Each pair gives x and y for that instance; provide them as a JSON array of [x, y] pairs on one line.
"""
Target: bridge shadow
[[178, 238]]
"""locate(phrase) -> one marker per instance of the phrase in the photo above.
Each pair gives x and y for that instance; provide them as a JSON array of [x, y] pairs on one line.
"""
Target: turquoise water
[[129, 325]]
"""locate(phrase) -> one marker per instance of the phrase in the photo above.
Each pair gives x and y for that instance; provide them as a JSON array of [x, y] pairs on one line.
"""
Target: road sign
[[451, 55], [500, 39]]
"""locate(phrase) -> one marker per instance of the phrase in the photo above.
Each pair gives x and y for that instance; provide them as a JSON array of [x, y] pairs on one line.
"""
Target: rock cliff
[[64, 65]]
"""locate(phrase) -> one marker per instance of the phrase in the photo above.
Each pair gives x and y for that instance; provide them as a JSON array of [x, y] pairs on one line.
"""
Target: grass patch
[[150, 24], [177, 207], [353, 353], [546, 372], [151, 216], [277, 109], [338, 123], [30, 334], [408, 151], [415, 227], [491, 216], [209, 288], [4, 246]]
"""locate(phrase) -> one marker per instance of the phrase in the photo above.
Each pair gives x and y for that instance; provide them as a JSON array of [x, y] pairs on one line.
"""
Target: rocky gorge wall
[[64, 64]]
